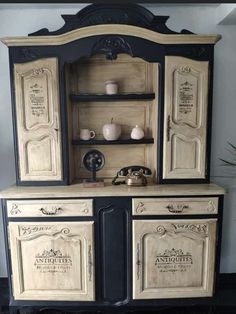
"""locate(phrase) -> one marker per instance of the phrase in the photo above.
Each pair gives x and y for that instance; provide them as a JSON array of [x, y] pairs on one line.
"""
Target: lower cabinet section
[[173, 258], [52, 260]]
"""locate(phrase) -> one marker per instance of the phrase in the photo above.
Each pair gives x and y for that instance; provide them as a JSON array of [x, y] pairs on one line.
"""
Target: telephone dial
[[134, 175]]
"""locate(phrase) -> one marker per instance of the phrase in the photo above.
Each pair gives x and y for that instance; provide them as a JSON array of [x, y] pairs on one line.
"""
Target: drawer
[[175, 206], [49, 208]]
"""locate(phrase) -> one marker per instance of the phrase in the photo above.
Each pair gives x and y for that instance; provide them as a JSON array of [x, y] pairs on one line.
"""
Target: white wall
[[19, 20]]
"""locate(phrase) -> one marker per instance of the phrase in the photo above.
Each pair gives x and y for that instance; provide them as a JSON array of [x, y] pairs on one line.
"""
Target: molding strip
[[106, 29]]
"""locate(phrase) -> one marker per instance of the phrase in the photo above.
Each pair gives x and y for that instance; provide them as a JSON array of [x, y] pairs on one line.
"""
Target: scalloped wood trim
[[106, 29]]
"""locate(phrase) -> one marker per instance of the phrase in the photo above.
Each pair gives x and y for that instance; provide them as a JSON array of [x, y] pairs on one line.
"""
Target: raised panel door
[[173, 258], [38, 120], [185, 118], [52, 260]]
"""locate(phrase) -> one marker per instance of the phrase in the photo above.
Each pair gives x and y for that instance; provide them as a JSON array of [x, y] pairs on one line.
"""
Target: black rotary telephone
[[134, 175]]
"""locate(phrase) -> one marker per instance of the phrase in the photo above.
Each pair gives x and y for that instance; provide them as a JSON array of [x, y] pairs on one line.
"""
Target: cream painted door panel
[[52, 260], [185, 118], [173, 258], [38, 120]]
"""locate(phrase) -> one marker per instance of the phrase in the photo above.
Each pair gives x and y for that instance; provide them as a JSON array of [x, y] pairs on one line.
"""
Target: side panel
[[52, 260], [185, 118], [38, 120], [173, 258]]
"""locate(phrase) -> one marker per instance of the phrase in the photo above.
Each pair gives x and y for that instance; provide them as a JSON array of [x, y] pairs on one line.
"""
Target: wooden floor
[[224, 301]]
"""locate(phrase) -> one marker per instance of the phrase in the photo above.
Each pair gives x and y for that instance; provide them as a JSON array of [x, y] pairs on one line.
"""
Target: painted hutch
[[114, 247]]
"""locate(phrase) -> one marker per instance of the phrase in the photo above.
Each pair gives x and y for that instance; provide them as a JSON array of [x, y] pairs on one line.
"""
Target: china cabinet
[[111, 247]]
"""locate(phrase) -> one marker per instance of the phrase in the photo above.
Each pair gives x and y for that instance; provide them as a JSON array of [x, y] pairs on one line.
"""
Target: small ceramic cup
[[86, 134], [111, 87]]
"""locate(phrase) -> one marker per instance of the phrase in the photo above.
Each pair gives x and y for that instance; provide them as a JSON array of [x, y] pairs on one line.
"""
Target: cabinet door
[[185, 118], [38, 120], [173, 258], [52, 261]]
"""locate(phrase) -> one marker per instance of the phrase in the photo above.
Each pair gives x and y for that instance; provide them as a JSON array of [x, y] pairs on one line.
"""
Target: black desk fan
[[93, 161]]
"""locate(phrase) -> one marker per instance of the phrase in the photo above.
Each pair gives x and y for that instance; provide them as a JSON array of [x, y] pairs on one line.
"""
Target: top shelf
[[115, 97]]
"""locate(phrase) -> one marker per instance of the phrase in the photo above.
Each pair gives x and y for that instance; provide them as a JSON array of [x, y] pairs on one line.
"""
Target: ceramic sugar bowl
[[111, 131], [137, 133]]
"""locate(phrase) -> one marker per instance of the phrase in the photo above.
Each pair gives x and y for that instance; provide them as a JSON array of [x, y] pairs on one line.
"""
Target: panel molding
[[185, 118], [173, 258], [38, 120], [59, 264]]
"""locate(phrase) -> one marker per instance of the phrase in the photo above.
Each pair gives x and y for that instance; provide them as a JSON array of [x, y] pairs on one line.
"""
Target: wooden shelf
[[118, 142], [116, 97]]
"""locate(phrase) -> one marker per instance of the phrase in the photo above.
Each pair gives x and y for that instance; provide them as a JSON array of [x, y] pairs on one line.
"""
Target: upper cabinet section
[[164, 81], [38, 120], [185, 119]]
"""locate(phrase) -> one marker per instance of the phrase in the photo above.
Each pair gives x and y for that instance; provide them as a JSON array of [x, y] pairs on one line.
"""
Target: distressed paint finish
[[173, 258], [52, 261], [38, 120], [185, 118]]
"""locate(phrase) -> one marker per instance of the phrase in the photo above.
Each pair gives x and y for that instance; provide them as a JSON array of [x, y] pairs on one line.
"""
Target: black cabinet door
[[113, 243]]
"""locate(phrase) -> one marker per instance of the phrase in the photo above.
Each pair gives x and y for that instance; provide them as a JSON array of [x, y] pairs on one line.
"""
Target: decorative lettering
[[53, 261], [173, 261], [37, 100], [186, 98]]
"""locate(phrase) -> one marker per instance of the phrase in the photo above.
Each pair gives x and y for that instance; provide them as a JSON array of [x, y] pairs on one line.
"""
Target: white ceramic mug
[[86, 134]]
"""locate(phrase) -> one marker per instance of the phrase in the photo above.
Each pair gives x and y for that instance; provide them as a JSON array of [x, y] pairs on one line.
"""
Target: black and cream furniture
[[111, 247]]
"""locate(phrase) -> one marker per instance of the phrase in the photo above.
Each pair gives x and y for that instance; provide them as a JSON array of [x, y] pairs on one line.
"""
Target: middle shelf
[[117, 142], [116, 97]]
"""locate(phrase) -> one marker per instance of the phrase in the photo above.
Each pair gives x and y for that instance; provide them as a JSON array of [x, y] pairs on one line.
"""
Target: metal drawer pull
[[178, 208], [52, 211]]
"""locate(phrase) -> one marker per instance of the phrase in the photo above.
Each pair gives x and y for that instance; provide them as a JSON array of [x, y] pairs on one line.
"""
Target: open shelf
[[117, 142], [116, 97]]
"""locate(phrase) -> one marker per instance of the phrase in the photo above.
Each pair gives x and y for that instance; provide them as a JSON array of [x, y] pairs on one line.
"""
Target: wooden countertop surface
[[77, 190]]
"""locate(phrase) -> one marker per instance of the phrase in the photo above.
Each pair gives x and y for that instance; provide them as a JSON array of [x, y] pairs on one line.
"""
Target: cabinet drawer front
[[50, 208], [175, 206]]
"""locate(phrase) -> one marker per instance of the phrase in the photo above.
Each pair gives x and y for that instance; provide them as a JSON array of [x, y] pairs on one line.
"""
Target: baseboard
[[226, 295]]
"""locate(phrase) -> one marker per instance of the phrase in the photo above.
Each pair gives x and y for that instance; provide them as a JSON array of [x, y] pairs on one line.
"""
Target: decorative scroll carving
[[42, 230], [140, 208], [15, 210], [111, 46], [161, 230], [195, 228], [211, 206], [126, 14], [28, 230]]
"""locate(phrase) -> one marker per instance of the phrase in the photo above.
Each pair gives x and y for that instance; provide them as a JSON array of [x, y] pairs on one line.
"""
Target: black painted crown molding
[[128, 14]]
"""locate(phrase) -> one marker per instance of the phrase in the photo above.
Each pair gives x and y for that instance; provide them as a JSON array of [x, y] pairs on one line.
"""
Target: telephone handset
[[134, 175]]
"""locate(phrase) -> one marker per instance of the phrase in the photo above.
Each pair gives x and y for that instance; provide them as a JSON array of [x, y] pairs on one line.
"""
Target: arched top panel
[[111, 19]]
